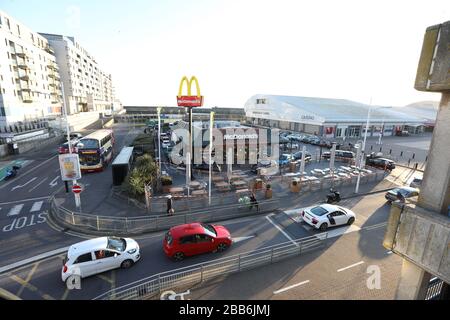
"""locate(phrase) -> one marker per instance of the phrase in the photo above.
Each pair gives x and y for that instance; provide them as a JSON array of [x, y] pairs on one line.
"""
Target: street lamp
[[159, 138]]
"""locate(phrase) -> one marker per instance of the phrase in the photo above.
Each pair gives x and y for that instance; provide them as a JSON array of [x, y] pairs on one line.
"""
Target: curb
[[33, 259]]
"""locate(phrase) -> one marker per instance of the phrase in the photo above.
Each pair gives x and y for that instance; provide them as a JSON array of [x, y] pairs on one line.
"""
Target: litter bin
[[292, 166]]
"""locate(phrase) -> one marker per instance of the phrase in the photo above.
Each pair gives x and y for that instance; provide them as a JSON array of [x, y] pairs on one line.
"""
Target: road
[[41, 280], [24, 232]]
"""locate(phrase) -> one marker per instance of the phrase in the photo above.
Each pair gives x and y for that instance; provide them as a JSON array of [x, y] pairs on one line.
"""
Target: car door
[[331, 219], [106, 260], [84, 265], [188, 245], [204, 243], [340, 218]]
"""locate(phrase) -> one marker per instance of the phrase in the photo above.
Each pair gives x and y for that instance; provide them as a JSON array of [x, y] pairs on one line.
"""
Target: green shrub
[[144, 172], [166, 180]]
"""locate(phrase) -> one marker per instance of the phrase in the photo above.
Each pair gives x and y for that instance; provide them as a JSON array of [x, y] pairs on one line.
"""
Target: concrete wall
[[76, 121]]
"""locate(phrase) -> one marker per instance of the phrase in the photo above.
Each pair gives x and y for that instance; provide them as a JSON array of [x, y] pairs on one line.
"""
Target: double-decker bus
[[96, 150]]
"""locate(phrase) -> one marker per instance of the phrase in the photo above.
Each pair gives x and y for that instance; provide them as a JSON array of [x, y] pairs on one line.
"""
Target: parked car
[[381, 163], [64, 148], [327, 215], [339, 154], [298, 156], [325, 144], [314, 141], [75, 135], [416, 183], [292, 146], [407, 192], [195, 238], [263, 164], [98, 255], [284, 159]]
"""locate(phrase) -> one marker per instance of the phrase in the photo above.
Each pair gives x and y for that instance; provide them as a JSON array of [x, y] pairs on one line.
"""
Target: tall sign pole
[[302, 163], [363, 148], [159, 138], [211, 125], [189, 101], [69, 144]]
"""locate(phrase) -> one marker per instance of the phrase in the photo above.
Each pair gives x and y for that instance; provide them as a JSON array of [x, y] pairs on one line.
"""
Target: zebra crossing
[[17, 209]]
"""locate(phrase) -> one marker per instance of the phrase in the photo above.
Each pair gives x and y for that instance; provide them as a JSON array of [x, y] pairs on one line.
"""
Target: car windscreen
[[89, 144], [118, 244], [318, 211], [209, 229]]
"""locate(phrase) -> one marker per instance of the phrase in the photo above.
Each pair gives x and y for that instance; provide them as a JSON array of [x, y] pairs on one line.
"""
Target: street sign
[[77, 189], [70, 166]]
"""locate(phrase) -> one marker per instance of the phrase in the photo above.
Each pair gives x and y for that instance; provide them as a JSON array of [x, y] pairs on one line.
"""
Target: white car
[[327, 215], [98, 255]]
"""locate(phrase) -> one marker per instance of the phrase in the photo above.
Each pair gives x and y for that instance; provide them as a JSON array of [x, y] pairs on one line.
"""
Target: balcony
[[27, 98], [420, 236], [49, 50]]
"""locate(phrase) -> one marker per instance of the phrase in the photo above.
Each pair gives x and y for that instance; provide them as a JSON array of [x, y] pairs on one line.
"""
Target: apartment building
[[86, 86], [29, 79]]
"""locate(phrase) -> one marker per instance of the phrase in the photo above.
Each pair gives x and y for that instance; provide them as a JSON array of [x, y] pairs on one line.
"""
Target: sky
[[357, 50]]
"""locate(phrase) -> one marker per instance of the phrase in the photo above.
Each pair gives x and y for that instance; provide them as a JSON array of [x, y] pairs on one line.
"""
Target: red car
[[64, 148], [195, 238]]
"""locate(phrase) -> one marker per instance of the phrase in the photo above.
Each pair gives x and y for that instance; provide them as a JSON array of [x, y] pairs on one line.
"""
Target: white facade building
[[29, 80], [86, 86], [331, 118]]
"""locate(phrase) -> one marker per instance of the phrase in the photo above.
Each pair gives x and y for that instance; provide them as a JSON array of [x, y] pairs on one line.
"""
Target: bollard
[[390, 151], [401, 154], [409, 161], [380, 148], [413, 155], [371, 148]]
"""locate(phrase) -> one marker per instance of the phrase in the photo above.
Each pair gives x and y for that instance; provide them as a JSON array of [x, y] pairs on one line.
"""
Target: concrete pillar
[[413, 282], [435, 190]]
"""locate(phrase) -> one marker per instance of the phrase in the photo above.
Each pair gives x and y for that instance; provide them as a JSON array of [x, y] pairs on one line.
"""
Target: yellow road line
[[66, 293], [27, 280], [31, 287]]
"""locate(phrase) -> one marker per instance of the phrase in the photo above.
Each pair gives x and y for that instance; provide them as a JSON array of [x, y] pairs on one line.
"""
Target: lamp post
[[69, 144], [159, 139], [362, 154], [211, 125]]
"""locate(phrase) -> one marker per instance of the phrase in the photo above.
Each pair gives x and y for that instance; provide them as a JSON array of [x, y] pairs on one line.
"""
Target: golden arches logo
[[189, 100]]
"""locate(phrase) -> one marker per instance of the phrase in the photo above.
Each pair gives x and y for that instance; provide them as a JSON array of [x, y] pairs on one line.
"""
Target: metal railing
[[198, 210], [135, 225], [152, 287], [434, 289]]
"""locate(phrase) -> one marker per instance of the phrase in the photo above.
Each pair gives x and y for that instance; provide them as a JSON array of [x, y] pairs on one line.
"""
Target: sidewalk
[[113, 206]]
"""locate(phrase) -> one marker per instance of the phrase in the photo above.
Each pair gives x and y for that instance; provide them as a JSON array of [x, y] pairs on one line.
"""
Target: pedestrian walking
[[170, 209], [254, 202]]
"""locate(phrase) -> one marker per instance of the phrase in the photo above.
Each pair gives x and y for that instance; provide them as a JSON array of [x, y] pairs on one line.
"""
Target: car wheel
[[178, 256], [126, 264], [350, 221], [323, 227], [222, 247]]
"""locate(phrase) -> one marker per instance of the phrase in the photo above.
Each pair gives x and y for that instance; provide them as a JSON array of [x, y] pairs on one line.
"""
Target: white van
[[98, 255]]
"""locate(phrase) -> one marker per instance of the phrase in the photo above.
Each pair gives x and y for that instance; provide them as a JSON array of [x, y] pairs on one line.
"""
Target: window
[[102, 254], [200, 238], [187, 240], [118, 244], [83, 258], [319, 211], [260, 101]]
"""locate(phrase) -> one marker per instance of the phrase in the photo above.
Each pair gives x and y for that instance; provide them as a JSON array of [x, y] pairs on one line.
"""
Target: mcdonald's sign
[[189, 100]]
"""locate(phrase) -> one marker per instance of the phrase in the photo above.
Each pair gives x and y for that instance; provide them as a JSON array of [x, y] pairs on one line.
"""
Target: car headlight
[[132, 251]]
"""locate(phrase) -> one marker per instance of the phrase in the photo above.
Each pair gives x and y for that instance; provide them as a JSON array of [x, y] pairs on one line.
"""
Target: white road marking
[[290, 287], [389, 252], [25, 173], [36, 206], [239, 239], [54, 182], [375, 226], [37, 184], [332, 233], [33, 259], [25, 200], [15, 210], [281, 230], [57, 170], [351, 266], [23, 185]]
